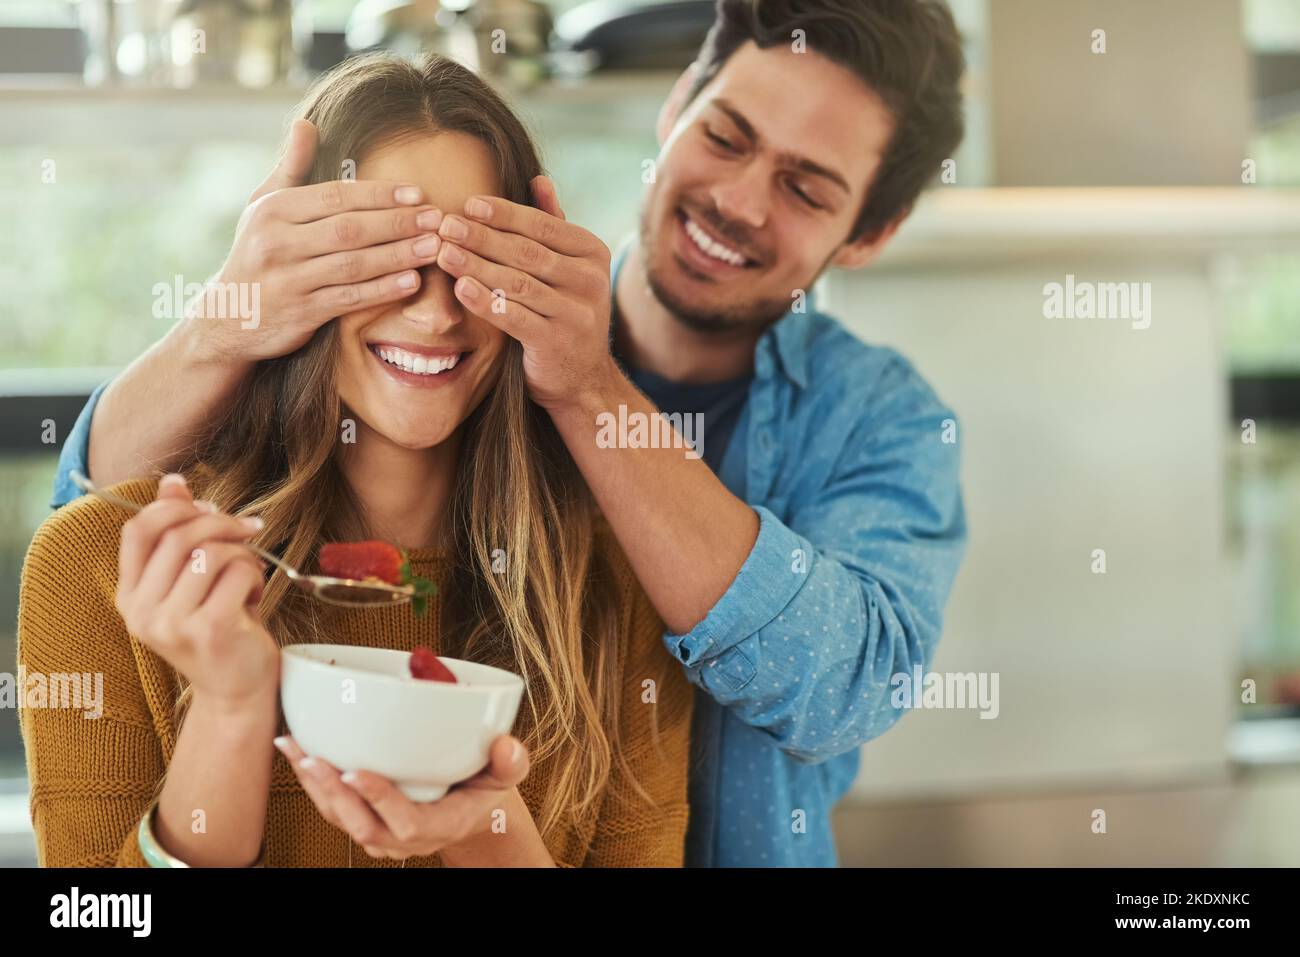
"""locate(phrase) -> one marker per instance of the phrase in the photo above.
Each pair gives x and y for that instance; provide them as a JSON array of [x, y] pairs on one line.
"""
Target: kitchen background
[[1171, 158]]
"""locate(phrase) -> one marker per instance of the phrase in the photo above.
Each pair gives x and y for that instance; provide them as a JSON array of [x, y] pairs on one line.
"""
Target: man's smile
[[703, 253]]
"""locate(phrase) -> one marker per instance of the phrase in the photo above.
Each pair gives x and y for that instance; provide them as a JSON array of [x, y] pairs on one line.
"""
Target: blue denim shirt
[[851, 463], [841, 452]]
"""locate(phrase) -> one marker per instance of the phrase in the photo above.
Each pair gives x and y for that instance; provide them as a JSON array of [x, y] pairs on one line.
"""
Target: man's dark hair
[[907, 51]]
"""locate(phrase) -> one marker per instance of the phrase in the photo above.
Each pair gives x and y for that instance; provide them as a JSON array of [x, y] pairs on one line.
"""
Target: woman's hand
[[312, 253], [540, 279], [189, 592], [386, 823]]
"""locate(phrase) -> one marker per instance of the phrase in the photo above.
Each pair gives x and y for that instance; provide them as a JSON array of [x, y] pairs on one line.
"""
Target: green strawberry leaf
[[423, 588]]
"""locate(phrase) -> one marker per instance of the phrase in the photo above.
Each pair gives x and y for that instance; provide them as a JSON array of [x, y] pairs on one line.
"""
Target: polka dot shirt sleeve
[[843, 594]]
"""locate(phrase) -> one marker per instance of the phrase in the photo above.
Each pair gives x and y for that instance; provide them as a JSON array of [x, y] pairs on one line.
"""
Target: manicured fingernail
[[349, 777], [408, 280], [454, 228], [308, 763], [282, 743], [203, 505], [430, 219], [427, 247], [478, 208], [466, 287], [407, 195], [172, 480], [254, 522], [516, 752], [453, 255]]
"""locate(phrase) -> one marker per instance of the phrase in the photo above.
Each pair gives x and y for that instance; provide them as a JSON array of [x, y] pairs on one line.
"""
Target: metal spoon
[[335, 591]]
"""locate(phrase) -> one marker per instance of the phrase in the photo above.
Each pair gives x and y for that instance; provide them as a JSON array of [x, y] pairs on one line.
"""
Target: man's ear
[[675, 103], [864, 250]]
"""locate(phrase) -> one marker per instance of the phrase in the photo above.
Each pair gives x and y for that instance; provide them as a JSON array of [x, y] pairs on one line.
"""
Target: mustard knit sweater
[[93, 779]]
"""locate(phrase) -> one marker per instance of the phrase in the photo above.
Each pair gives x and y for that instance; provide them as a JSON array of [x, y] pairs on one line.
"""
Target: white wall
[[1167, 104], [1077, 435]]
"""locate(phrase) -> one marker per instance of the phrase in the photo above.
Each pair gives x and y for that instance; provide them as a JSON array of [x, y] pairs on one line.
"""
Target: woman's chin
[[414, 437], [419, 441]]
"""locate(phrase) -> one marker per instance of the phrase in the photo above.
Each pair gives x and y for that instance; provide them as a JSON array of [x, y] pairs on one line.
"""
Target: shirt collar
[[792, 333], [788, 336]]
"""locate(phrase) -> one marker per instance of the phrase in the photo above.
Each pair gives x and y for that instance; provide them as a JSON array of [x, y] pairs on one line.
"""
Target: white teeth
[[417, 364], [711, 248]]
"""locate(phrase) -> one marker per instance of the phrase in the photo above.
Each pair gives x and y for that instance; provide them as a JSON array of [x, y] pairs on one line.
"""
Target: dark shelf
[[1266, 398]]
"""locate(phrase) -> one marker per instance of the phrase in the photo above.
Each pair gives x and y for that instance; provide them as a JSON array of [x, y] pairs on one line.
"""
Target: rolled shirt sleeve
[[845, 593], [76, 452]]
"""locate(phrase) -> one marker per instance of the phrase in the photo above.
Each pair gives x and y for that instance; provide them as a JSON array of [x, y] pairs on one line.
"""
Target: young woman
[[406, 422]]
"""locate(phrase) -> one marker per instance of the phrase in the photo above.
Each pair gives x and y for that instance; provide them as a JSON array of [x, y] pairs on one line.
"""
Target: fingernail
[[478, 208], [349, 777], [429, 219], [408, 280], [203, 505], [254, 522], [516, 752], [172, 479], [407, 195], [454, 228], [427, 247], [453, 255], [465, 287], [308, 763], [282, 743]]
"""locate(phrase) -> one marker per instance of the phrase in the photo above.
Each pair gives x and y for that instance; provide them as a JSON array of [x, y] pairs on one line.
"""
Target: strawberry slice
[[426, 666], [379, 561], [362, 560]]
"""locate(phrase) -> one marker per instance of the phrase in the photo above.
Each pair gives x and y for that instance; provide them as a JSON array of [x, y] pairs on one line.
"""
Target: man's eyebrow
[[801, 163]]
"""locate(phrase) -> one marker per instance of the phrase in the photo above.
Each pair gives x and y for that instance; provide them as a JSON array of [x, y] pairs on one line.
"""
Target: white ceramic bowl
[[366, 713]]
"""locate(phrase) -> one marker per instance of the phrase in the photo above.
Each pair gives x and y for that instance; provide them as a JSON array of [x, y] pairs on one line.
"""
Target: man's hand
[[316, 252], [542, 280]]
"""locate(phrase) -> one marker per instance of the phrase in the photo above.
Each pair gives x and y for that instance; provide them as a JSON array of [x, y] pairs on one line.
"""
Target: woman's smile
[[421, 367]]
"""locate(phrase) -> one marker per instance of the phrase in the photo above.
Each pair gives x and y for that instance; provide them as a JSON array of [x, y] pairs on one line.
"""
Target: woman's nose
[[434, 307]]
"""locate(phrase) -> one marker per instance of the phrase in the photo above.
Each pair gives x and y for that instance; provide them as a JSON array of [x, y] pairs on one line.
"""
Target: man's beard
[[739, 321]]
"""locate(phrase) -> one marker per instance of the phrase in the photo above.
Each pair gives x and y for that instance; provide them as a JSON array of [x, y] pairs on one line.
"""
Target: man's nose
[[434, 307], [743, 197]]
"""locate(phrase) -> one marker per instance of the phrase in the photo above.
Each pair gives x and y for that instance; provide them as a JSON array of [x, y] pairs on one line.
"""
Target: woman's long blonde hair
[[553, 616]]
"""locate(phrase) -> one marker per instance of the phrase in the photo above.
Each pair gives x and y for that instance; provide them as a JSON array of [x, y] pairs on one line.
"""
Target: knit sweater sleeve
[[654, 730], [94, 758]]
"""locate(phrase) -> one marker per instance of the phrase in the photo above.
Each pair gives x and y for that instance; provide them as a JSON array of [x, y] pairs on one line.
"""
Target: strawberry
[[426, 666], [362, 560], [378, 560]]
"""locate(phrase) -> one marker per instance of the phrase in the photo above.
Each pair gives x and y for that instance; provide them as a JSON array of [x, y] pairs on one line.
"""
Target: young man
[[807, 558]]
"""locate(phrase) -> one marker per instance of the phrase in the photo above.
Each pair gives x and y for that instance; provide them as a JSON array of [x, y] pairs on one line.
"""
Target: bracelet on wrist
[[156, 855]]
